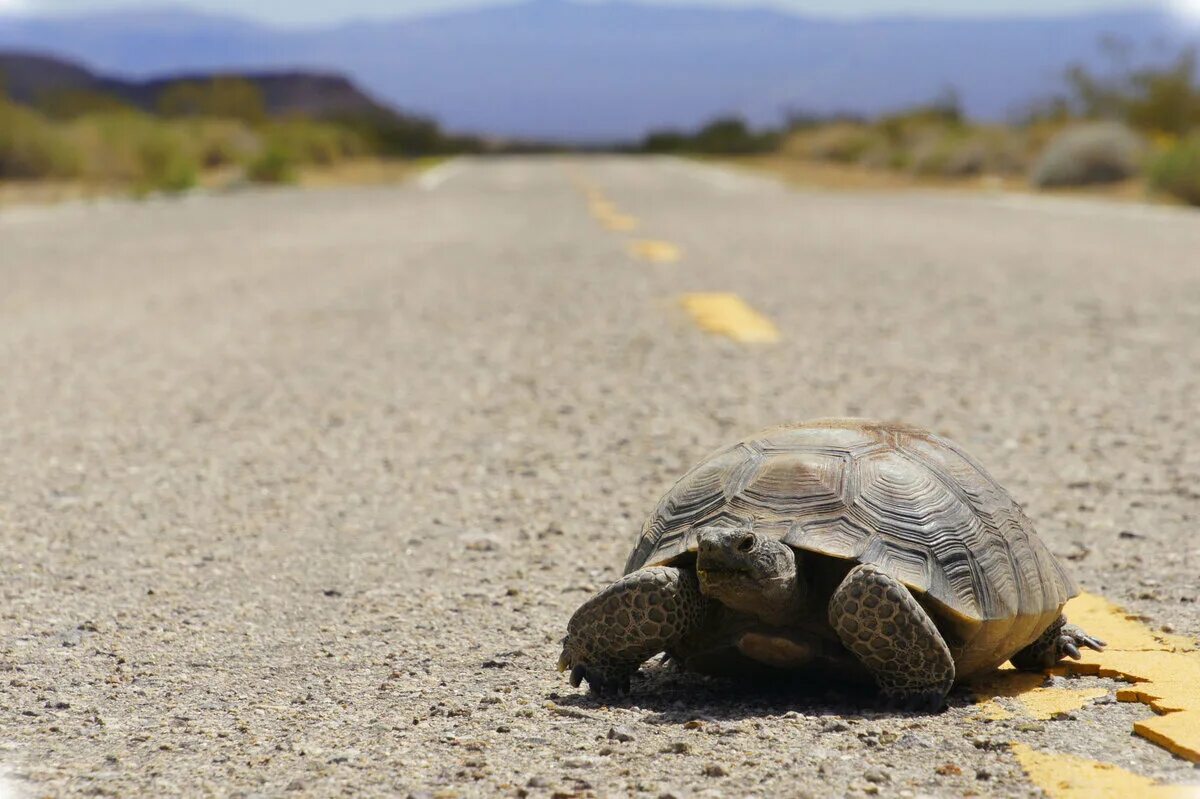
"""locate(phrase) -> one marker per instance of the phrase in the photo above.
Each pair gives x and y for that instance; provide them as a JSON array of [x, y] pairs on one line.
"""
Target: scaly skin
[[645, 612], [1058, 641], [878, 620]]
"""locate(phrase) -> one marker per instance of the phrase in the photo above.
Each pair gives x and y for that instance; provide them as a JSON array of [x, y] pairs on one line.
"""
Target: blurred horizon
[[318, 14], [590, 72]]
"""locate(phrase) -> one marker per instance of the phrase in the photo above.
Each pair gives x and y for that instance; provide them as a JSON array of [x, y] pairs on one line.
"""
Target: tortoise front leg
[[878, 620], [644, 613], [1058, 641]]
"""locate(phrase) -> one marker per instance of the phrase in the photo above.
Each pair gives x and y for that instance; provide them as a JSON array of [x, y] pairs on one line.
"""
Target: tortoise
[[861, 549]]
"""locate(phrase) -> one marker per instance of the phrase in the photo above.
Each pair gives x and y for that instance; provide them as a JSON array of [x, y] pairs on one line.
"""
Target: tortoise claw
[[1071, 638], [577, 675]]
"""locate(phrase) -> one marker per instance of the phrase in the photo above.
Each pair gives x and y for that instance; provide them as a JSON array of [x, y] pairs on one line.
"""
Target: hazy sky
[[301, 12]]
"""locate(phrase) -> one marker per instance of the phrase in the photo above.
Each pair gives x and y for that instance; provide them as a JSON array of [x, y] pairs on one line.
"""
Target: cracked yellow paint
[[1030, 698], [1164, 670], [1070, 777], [729, 315], [659, 252]]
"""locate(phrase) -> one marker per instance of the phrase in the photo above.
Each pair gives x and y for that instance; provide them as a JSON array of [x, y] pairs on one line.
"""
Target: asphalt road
[[299, 488]]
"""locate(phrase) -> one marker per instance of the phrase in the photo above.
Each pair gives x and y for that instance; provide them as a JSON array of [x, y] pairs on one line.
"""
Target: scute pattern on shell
[[898, 497]]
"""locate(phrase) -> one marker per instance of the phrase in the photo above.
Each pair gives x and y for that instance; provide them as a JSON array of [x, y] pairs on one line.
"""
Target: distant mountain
[[615, 69], [31, 78]]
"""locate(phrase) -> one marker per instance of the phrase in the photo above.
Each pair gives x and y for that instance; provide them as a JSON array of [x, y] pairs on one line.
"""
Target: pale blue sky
[[305, 12]]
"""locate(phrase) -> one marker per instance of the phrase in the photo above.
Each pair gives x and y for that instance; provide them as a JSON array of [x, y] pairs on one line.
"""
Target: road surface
[[299, 488]]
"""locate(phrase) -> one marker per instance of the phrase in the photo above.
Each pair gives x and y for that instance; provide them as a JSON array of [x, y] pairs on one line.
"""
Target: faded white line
[[438, 176]]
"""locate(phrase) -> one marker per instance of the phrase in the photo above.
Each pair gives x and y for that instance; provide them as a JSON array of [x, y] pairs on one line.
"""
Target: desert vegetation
[[1128, 126], [193, 129]]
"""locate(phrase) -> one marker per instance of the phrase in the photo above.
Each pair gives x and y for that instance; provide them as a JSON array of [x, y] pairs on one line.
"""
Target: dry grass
[[848, 177], [355, 172], [361, 172]]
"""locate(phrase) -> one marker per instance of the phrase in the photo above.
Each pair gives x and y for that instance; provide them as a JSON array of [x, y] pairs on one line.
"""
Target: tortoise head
[[752, 573]]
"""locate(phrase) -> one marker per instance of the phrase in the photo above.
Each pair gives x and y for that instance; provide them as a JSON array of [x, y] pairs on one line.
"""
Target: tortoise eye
[[746, 544]]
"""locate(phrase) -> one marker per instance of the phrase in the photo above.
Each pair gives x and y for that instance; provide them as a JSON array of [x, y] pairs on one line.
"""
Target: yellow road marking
[[1165, 670], [1071, 777], [620, 223], [658, 252], [729, 315], [1030, 698]]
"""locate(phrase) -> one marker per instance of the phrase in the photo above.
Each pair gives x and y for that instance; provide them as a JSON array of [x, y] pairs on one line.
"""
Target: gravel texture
[[298, 489]]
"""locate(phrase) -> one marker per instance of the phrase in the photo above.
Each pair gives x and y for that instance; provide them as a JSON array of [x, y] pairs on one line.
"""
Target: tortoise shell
[[898, 497]]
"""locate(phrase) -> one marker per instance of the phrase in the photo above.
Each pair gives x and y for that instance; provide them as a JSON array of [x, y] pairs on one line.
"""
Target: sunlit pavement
[[299, 488]]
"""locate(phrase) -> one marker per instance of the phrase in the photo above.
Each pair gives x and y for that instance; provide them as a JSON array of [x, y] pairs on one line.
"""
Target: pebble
[[983, 774], [480, 542], [620, 733], [834, 725], [537, 782], [678, 748], [715, 770], [876, 775]]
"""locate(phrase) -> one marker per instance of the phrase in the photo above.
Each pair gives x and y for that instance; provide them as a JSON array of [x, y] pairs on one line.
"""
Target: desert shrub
[[1163, 98], [842, 142], [136, 149], [1177, 170], [966, 152], [31, 147], [275, 164], [220, 142], [165, 162], [665, 141], [395, 135], [322, 143], [1104, 152], [74, 103], [722, 136]]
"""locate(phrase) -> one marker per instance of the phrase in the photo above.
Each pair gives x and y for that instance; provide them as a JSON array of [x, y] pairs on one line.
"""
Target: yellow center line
[[1165, 670], [729, 315], [1070, 777], [655, 251], [1164, 673]]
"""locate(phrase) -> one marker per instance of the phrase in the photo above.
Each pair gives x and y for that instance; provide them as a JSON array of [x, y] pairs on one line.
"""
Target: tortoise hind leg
[[644, 613], [878, 620], [1058, 641]]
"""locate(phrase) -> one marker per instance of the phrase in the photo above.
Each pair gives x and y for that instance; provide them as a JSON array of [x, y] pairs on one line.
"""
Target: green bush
[[220, 142], [1101, 152], [134, 149], [722, 136], [274, 164], [1177, 171], [165, 164], [31, 147], [840, 142], [74, 103], [967, 152], [320, 143]]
